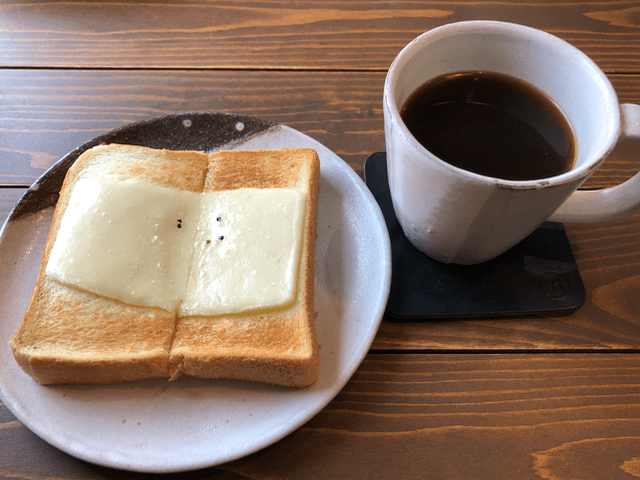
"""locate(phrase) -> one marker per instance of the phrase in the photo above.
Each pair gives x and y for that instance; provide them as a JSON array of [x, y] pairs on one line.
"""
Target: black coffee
[[491, 124]]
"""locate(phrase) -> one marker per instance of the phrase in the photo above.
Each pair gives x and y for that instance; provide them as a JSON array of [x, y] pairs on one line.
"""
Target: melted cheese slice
[[126, 239], [197, 253], [247, 251]]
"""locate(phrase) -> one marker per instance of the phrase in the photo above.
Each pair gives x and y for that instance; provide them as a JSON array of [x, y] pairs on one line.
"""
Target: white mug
[[456, 216]]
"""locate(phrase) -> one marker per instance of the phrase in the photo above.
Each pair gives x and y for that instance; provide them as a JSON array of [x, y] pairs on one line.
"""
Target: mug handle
[[585, 206]]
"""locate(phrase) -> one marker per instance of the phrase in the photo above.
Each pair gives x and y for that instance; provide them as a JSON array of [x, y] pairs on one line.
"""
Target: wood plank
[[354, 35], [45, 114], [494, 417]]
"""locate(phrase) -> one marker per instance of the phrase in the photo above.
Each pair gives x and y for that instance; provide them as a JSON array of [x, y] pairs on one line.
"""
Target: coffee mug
[[457, 216]]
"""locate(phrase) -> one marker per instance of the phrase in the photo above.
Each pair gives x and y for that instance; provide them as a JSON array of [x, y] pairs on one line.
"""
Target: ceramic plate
[[161, 426]]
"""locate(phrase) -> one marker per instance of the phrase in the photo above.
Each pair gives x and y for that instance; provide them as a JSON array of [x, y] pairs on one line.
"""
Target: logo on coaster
[[553, 284]]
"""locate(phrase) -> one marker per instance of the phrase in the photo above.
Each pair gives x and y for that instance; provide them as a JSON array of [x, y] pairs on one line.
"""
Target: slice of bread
[[72, 335], [275, 346]]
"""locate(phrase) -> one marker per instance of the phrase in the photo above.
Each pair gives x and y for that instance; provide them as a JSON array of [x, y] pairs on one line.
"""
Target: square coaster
[[537, 276]]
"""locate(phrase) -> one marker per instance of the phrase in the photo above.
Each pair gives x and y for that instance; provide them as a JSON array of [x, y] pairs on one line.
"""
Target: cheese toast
[[277, 345], [89, 321]]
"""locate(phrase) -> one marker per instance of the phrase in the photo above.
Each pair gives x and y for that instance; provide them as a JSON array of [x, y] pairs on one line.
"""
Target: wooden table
[[549, 397]]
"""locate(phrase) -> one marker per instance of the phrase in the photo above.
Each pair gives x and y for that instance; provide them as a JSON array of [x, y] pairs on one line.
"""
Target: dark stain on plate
[[203, 131]]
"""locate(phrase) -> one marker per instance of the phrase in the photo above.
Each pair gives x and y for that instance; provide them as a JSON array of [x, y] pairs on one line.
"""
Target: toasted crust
[[72, 336]]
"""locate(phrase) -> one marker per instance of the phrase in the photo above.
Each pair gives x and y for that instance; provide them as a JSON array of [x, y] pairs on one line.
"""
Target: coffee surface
[[491, 124]]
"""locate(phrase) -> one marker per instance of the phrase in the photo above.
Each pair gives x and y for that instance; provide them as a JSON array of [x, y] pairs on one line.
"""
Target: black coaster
[[537, 276]]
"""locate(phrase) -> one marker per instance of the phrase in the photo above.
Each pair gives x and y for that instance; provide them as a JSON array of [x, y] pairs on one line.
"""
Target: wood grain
[[475, 417], [46, 113], [355, 35]]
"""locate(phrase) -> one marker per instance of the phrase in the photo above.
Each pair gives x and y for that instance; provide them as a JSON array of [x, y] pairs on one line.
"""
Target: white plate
[[161, 426]]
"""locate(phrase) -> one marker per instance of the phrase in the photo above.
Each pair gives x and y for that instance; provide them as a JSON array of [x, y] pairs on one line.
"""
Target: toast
[[274, 346], [80, 329]]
